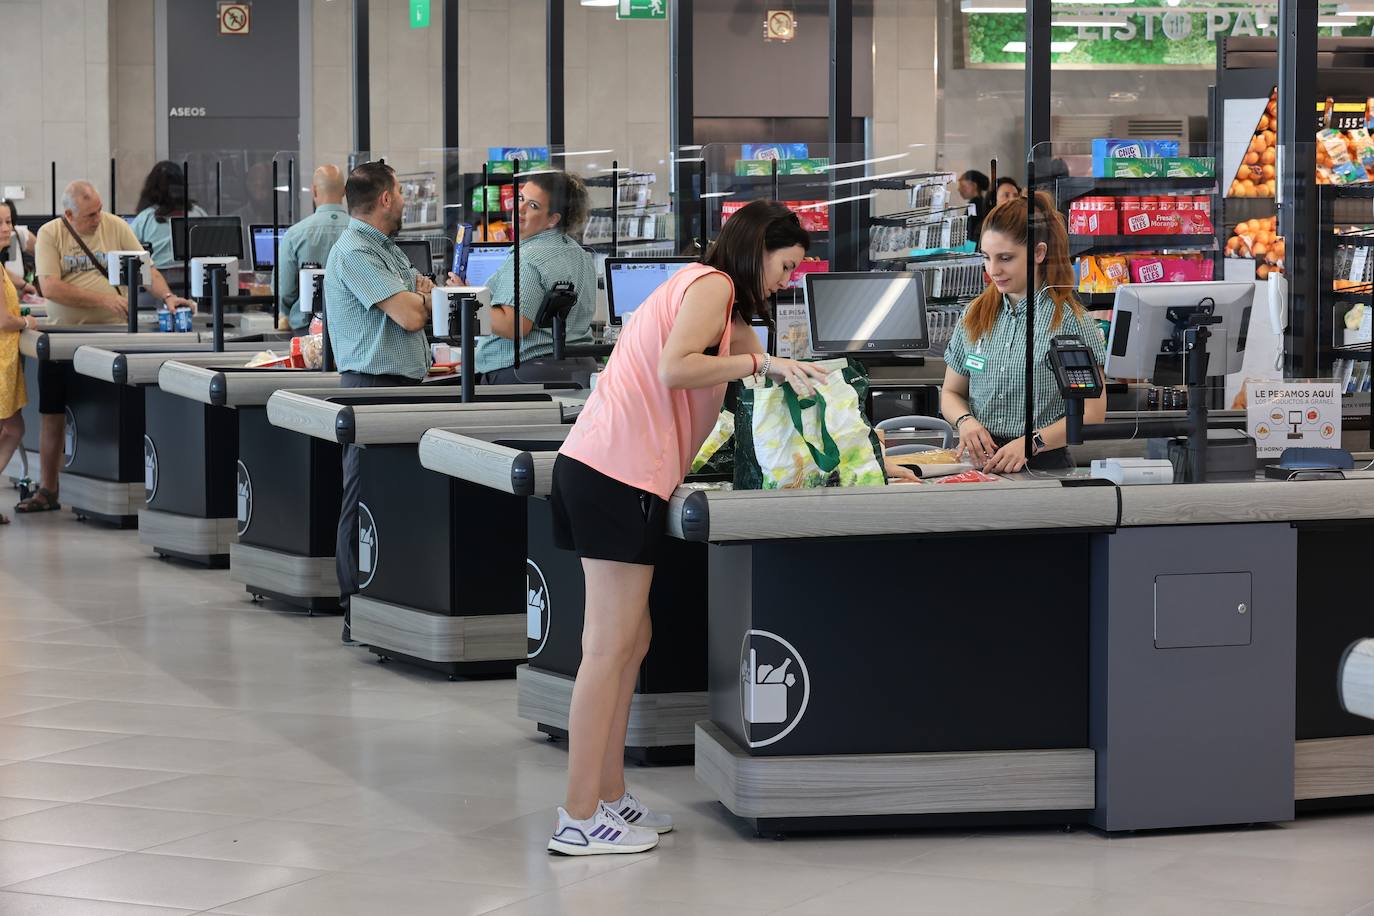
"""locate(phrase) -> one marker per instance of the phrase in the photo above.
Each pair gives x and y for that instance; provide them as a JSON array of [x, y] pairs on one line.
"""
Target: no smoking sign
[[235, 18]]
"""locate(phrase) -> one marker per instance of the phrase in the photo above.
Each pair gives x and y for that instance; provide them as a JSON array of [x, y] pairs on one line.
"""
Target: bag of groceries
[[784, 441]]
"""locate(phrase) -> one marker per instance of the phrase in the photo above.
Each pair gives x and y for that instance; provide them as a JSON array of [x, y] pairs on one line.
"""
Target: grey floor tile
[[16, 807], [367, 895], [22, 742], [226, 795], [169, 881], [71, 782], [296, 844], [110, 827], [124, 718], [26, 861], [152, 752], [12, 904]]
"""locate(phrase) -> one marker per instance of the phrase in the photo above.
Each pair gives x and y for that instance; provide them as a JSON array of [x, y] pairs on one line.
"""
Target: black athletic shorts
[[52, 387], [604, 519]]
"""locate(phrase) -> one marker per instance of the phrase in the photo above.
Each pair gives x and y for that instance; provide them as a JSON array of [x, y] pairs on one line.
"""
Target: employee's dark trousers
[[346, 542]]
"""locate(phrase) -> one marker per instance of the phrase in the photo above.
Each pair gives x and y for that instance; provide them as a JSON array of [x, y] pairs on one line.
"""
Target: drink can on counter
[[183, 320], [164, 319]]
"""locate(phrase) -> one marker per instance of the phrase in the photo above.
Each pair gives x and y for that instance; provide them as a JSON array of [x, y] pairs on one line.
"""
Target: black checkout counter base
[[440, 583], [670, 696]]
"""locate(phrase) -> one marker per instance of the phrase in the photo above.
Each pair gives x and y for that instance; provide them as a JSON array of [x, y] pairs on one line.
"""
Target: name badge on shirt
[[975, 362]]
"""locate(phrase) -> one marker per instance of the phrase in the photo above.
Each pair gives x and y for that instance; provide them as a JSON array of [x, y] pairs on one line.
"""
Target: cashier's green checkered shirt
[[997, 395], [545, 259], [364, 268]]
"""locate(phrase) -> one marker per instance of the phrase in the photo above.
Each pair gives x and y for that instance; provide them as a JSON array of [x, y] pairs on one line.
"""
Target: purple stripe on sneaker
[[596, 834], [626, 811], [635, 816], [615, 835]]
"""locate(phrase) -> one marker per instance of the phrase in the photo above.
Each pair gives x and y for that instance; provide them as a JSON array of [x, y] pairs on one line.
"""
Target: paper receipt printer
[[1127, 471]]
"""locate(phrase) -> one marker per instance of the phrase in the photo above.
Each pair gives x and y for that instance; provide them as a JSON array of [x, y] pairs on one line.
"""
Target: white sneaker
[[637, 814], [604, 833]]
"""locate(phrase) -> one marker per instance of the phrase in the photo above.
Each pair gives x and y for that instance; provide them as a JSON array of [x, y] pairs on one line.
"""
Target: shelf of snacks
[[1069, 190]]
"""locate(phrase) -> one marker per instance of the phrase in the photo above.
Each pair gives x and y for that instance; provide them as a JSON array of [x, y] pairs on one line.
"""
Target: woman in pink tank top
[[632, 446]]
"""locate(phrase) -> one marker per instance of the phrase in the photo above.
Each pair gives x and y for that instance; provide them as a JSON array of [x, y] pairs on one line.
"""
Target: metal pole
[[703, 215], [219, 189], [218, 277], [515, 252], [52, 184], [276, 251], [1299, 221], [1030, 305], [776, 193], [114, 206], [615, 208], [554, 44], [132, 268], [290, 191], [186, 222], [453, 166], [1038, 76], [486, 208], [362, 99], [681, 115], [843, 221], [467, 340]]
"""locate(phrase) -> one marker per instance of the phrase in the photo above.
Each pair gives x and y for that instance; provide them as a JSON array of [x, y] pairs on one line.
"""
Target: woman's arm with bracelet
[[974, 439], [1012, 456], [700, 324]]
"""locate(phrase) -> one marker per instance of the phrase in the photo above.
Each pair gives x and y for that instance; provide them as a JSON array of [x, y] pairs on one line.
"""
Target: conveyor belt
[[219, 384], [139, 366]]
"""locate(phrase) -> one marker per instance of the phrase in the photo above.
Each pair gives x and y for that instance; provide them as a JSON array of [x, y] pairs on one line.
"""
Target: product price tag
[[1300, 414]]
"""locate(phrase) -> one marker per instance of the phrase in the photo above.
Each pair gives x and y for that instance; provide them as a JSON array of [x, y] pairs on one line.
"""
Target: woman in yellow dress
[[13, 395]]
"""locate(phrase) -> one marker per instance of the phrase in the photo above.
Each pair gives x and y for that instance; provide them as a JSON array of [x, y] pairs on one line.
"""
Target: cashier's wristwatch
[[1037, 443]]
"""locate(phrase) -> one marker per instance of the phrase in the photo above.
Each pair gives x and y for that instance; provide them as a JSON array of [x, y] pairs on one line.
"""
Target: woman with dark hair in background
[[973, 187], [652, 408], [1007, 189], [17, 252], [163, 197], [553, 210], [984, 393]]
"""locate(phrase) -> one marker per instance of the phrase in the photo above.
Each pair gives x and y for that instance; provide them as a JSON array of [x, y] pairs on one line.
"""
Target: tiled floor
[[166, 747]]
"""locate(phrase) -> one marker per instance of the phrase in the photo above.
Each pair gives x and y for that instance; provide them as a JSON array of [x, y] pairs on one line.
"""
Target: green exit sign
[[419, 14], [642, 9]]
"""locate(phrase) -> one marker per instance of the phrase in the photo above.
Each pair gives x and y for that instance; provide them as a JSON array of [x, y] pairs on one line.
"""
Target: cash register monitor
[[417, 250], [867, 313], [209, 237], [629, 281], [483, 260], [261, 236], [1140, 344]]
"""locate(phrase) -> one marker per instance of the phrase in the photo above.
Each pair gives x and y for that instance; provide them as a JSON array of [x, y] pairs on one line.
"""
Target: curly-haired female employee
[[984, 394], [632, 446]]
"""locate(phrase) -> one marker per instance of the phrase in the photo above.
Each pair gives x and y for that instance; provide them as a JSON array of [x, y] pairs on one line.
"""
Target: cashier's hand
[[455, 280], [976, 442], [176, 302], [424, 286], [1009, 459], [801, 376], [899, 473]]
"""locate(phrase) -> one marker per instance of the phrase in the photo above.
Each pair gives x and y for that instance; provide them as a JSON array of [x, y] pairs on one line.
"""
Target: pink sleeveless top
[[635, 429]]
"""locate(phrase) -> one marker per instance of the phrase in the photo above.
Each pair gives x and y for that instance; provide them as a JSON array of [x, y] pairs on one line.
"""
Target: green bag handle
[[828, 459]]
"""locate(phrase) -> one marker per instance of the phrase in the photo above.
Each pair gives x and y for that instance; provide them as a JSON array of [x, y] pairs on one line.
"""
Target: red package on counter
[[1166, 269], [968, 477]]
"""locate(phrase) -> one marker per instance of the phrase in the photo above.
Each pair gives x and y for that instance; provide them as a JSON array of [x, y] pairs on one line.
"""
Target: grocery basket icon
[[243, 502], [765, 692], [367, 547], [149, 470]]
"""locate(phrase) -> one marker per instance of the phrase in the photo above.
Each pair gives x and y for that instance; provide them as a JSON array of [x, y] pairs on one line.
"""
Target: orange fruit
[[1269, 156], [1252, 158], [1262, 272]]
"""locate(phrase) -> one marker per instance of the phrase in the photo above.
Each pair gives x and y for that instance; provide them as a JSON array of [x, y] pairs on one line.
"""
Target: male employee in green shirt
[[310, 240], [378, 306]]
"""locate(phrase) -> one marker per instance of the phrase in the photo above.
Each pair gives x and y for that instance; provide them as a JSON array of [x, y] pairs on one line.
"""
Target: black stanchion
[[186, 221], [217, 275], [515, 253], [130, 265], [276, 252]]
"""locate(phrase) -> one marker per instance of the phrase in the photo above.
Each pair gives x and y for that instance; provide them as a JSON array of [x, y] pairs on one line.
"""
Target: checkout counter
[[516, 465], [103, 476], [441, 561], [285, 495], [190, 449]]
